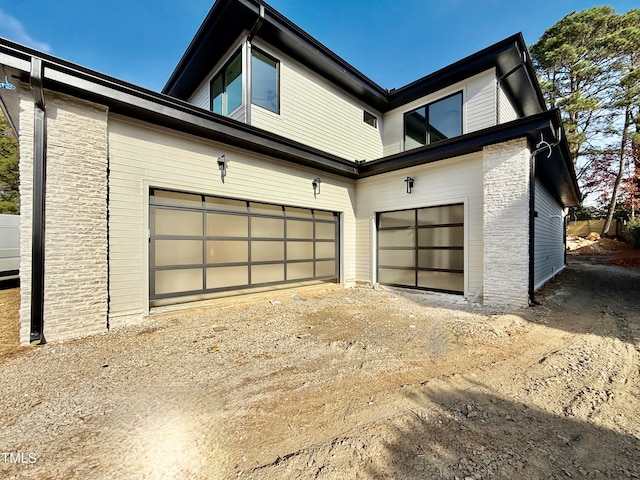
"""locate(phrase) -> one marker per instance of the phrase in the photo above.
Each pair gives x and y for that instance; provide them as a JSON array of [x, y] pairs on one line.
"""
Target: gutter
[[541, 146], [36, 336]]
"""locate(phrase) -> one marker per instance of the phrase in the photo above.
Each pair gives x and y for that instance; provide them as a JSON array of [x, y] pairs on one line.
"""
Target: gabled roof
[[227, 19]]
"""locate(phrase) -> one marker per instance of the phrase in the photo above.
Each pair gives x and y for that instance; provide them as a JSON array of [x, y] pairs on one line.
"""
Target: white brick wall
[[506, 224], [75, 301]]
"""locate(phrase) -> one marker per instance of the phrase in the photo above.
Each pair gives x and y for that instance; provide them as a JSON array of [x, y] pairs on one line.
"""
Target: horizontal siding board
[[549, 236]]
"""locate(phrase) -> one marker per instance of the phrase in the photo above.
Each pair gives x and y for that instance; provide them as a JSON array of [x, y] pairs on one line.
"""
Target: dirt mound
[[617, 252]]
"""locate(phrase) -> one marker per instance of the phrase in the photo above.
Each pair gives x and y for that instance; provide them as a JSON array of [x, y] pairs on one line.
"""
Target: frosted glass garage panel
[[222, 225], [441, 281], [442, 259], [441, 215], [267, 227], [324, 215], [325, 250], [298, 212], [177, 281], [326, 231], [299, 229], [297, 271], [404, 218], [225, 204], [267, 273], [162, 197], [265, 208], [397, 238], [441, 237], [227, 251], [178, 252], [267, 251], [325, 269], [177, 222], [397, 258], [299, 250], [224, 277], [398, 277]]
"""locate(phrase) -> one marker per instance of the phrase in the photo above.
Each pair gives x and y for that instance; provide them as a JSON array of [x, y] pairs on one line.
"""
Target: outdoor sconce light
[[222, 165], [316, 186], [409, 182]]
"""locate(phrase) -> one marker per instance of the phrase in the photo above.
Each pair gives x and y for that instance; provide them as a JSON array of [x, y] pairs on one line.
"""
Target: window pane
[[299, 250], [370, 119], [326, 231], [298, 212], [178, 252], [325, 250], [221, 277], [173, 281], [440, 215], [221, 225], [397, 258], [163, 197], [216, 94], [299, 229], [227, 251], [415, 129], [299, 270], [398, 277], [225, 204], [267, 227], [267, 273], [441, 280], [396, 238], [267, 251], [405, 218], [264, 81], [324, 215], [325, 269], [266, 208], [441, 237], [177, 222], [445, 118], [233, 80], [446, 259]]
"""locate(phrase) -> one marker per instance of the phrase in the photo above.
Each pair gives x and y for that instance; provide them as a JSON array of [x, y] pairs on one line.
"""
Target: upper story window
[[370, 119], [433, 122], [226, 86], [265, 81]]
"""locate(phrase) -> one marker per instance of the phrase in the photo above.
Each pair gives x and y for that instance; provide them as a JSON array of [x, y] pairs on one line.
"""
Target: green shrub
[[634, 232]]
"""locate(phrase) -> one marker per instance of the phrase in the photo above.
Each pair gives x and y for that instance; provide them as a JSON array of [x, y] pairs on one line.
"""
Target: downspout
[[36, 336], [541, 146], [523, 61], [252, 33]]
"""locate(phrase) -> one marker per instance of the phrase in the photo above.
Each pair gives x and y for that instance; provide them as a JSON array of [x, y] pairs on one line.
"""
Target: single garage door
[[201, 244], [422, 248]]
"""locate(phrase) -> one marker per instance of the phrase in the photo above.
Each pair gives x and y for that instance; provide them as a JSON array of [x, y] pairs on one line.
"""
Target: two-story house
[[267, 162]]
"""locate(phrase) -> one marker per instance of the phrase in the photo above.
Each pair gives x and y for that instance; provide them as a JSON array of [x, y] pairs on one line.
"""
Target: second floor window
[[264, 81], [433, 122], [226, 87]]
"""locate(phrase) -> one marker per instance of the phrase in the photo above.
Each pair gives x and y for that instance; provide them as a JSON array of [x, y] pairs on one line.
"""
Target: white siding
[[478, 112], [549, 236], [458, 180], [142, 156], [318, 114], [507, 112]]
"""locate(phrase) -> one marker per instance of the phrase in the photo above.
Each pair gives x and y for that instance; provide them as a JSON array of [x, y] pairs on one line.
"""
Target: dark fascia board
[[229, 18], [162, 110]]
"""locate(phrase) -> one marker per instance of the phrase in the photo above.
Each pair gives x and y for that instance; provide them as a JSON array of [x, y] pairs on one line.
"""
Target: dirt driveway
[[342, 384]]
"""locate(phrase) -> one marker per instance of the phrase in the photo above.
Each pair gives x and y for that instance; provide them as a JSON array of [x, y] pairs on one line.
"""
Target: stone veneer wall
[[506, 224], [76, 293]]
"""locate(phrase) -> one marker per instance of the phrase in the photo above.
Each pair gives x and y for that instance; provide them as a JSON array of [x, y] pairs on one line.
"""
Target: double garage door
[[201, 244], [422, 248]]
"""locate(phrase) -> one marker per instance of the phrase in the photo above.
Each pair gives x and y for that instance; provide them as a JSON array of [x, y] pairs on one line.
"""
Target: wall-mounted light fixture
[[222, 165], [409, 182], [316, 186]]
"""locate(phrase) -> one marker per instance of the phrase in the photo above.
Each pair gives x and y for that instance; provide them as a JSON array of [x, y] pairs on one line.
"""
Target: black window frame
[[277, 62], [426, 119], [370, 119], [222, 73]]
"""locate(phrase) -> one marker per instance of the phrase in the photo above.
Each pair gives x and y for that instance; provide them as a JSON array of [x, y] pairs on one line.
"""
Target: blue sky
[[391, 41]]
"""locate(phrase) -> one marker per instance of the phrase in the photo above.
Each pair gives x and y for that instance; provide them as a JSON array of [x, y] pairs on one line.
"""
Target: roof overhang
[[227, 19]]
